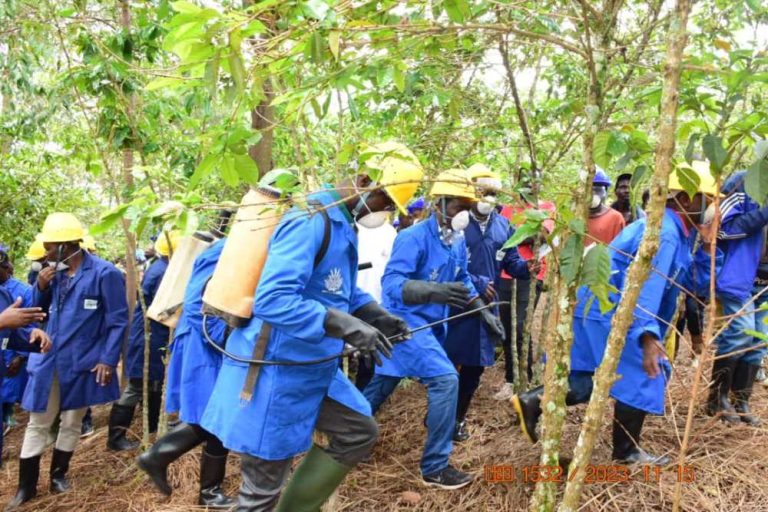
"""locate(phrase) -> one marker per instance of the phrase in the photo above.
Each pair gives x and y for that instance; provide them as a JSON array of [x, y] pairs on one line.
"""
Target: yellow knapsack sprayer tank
[[166, 306], [230, 292]]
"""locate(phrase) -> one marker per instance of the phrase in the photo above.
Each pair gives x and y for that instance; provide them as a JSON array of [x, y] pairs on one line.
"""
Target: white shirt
[[374, 246]]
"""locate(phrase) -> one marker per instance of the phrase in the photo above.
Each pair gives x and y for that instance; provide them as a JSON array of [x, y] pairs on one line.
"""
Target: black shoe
[[722, 379], [743, 381], [212, 471], [528, 408], [29, 472], [460, 433], [448, 478], [640, 456], [154, 462], [627, 426], [119, 422], [59, 468]]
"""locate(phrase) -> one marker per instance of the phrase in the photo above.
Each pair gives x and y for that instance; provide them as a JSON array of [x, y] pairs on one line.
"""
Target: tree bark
[[640, 267]]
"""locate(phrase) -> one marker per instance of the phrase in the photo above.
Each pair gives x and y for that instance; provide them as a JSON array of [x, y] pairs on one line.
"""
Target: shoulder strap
[[326, 232]]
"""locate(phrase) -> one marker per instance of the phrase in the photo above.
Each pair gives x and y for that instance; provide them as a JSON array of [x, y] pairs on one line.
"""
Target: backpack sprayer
[[398, 338]]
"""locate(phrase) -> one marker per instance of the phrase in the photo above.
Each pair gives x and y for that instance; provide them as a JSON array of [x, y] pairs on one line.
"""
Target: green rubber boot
[[313, 482]]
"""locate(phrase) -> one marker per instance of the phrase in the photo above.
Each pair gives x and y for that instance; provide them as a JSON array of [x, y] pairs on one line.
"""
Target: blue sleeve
[[479, 282], [19, 340], [280, 299], [112, 291], [696, 278], [359, 299], [463, 275], [652, 293], [402, 266], [514, 265], [739, 223], [43, 299]]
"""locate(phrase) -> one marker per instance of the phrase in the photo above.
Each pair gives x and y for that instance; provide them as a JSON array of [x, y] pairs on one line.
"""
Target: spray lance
[[398, 338]]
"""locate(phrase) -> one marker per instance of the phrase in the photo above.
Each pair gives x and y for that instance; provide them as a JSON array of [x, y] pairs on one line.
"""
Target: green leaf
[[691, 147], [246, 168], [399, 77], [570, 257], [316, 9], [527, 230], [715, 153], [108, 221], [228, 172], [166, 82], [600, 152], [237, 70], [457, 10], [597, 275], [641, 171], [616, 145], [185, 7], [212, 73], [204, 169], [756, 182], [67, 12], [333, 43], [689, 180]]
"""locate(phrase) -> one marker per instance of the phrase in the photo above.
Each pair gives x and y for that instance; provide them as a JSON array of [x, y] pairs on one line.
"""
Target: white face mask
[[460, 221], [709, 214], [36, 266], [62, 264], [374, 220], [484, 208], [596, 200]]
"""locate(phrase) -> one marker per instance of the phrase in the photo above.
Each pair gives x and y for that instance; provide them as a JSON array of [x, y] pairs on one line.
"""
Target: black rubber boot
[[212, 471], [460, 432], [722, 379], [155, 399], [154, 462], [743, 380], [59, 468], [120, 418], [29, 472], [627, 426], [528, 408]]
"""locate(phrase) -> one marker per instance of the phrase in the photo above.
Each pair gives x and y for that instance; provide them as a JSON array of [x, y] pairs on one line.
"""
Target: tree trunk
[[513, 338], [640, 267]]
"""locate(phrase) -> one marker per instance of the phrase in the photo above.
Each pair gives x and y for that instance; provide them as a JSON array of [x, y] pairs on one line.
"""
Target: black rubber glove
[[425, 292], [367, 340], [392, 326], [491, 320]]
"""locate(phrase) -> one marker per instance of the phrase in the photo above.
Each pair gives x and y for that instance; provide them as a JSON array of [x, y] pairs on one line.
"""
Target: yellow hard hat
[[484, 178], [161, 245], [36, 250], [400, 171], [61, 227], [707, 184], [453, 183], [88, 243]]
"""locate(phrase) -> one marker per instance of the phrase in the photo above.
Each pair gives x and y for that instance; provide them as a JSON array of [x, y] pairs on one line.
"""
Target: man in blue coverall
[[307, 310], [14, 362], [643, 365], [739, 354], [426, 274], [470, 344], [121, 415], [17, 335], [87, 316]]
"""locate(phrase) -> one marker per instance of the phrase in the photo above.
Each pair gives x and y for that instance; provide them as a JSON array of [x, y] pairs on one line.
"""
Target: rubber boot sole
[[519, 410]]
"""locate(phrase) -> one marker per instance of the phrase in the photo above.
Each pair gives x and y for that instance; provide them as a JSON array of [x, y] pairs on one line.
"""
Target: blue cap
[[416, 204], [601, 178]]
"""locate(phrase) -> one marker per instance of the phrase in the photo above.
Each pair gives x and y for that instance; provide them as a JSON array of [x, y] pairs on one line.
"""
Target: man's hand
[[14, 316], [490, 292], [534, 267], [652, 353], [41, 337], [103, 374], [45, 277], [14, 367]]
